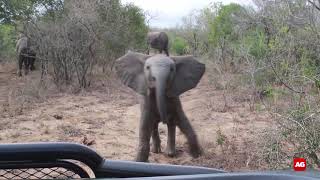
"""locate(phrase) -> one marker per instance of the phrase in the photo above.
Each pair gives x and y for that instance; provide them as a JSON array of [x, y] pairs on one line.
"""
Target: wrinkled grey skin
[[25, 55], [159, 41], [160, 80]]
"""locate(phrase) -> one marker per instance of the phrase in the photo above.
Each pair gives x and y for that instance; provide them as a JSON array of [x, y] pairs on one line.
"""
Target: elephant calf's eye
[[148, 67]]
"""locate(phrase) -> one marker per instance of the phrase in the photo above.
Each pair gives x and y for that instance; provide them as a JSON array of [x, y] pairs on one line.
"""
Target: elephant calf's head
[[166, 76], [159, 71]]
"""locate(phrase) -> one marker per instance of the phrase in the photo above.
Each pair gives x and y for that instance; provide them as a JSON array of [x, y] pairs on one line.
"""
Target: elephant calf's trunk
[[161, 102]]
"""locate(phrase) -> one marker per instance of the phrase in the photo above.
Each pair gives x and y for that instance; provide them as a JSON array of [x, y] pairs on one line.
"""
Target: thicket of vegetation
[[71, 36], [270, 52]]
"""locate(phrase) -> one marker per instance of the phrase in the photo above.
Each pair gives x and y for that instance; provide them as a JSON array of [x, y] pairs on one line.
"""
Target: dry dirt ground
[[109, 115]]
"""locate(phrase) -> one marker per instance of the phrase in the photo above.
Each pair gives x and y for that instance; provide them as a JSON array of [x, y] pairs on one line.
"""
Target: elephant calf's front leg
[[145, 130], [144, 145], [156, 142], [171, 142]]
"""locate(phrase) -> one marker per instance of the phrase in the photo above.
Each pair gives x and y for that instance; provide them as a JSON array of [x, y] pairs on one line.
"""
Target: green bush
[[7, 40], [179, 46]]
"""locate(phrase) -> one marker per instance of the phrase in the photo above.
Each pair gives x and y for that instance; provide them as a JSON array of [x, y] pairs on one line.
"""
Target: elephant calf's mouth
[[152, 92], [152, 84]]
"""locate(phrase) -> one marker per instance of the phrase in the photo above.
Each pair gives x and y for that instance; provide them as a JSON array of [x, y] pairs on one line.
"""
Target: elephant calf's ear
[[129, 69], [188, 73]]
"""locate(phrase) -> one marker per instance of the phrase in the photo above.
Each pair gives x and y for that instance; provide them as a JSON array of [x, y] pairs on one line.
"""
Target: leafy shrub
[[179, 46], [7, 40]]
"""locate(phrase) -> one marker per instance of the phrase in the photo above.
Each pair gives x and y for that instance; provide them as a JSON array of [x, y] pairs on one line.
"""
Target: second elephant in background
[[26, 56], [159, 41]]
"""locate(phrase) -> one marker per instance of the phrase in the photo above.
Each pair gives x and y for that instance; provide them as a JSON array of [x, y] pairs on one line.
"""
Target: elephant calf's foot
[[171, 152], [141, 159], [143, 153], [195, 151]]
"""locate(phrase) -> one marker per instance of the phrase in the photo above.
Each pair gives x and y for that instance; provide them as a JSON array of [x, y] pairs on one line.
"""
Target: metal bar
[[47, 152], [121, 169], [52, 164]]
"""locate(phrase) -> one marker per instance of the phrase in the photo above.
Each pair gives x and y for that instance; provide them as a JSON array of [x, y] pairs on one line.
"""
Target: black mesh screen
[[38, 173]]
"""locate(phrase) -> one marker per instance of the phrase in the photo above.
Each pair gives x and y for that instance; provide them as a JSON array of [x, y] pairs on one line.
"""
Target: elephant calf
[[159, 41], [160, 80]]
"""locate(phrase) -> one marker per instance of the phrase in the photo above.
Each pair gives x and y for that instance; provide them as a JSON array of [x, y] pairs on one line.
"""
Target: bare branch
[[315, 5]]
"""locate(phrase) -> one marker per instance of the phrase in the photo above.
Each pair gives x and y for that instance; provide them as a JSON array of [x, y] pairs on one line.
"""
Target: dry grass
[[69, 131]]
